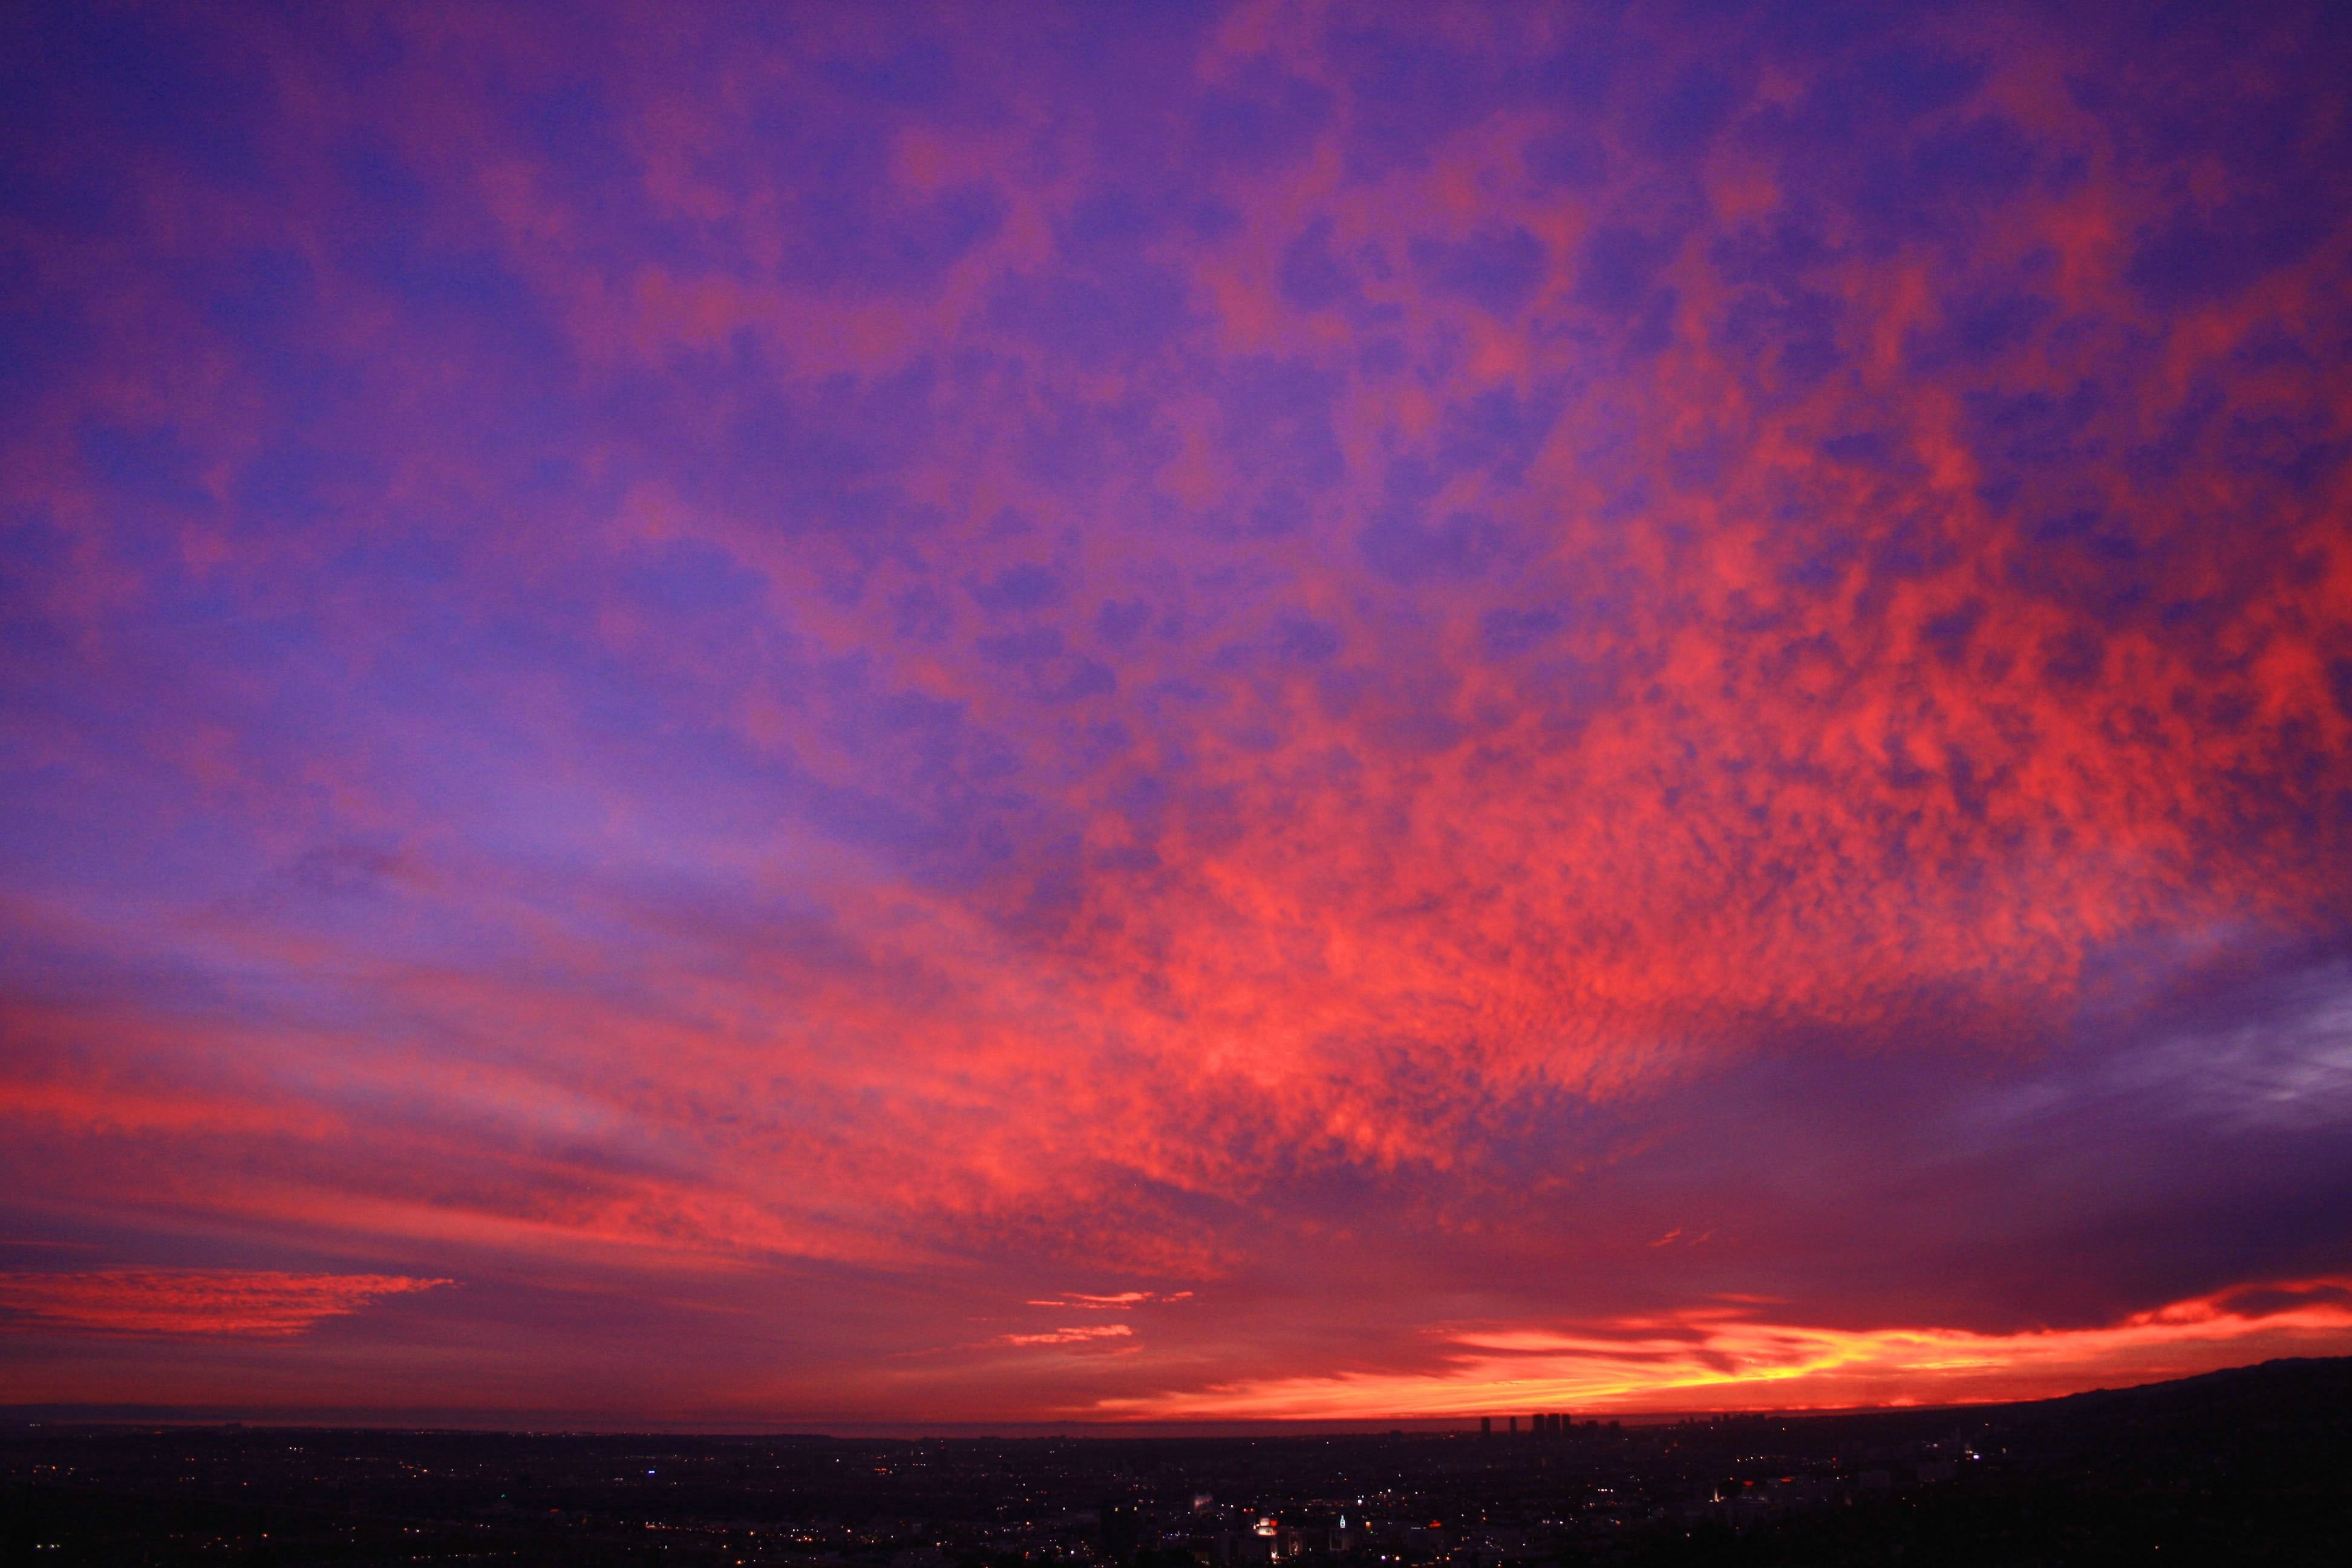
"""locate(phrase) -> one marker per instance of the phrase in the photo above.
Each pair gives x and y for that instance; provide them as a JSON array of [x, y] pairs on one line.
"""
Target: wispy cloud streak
[[1735, 1358], [191, 1303]]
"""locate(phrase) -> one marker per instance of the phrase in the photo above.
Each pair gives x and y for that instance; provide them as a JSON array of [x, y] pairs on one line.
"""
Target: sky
[[829, 713]]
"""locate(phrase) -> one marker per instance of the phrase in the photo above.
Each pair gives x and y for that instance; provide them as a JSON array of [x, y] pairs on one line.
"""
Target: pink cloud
[[1078, 1334]]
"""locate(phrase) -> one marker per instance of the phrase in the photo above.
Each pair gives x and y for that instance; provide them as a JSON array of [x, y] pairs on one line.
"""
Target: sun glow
[[1726, 1358]]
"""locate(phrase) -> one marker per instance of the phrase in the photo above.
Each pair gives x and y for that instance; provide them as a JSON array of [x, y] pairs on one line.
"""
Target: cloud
[[1078, 1334], [191, 1303], [1405, 657], [1729, 1357]]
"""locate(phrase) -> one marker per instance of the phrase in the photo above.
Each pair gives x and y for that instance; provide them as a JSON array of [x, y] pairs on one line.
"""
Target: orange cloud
[[1726, 1358], [199, 1303]]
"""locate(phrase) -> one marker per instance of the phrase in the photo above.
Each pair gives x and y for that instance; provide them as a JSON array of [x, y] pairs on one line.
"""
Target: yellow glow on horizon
[[1721, 1357]]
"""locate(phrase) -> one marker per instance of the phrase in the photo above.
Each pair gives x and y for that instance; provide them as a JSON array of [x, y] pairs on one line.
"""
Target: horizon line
[[523, 1423]]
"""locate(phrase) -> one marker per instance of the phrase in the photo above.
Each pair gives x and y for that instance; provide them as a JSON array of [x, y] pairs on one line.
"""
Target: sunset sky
[[831, 714]]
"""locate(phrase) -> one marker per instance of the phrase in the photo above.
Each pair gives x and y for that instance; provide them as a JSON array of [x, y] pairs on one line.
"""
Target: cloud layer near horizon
[[1301, 672]]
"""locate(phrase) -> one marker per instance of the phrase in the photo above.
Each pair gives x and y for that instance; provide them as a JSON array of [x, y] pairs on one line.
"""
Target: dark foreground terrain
[[2250, 1465]]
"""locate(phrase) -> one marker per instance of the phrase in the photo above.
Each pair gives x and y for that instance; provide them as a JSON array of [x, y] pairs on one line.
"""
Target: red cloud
[[192, 1303], [791, 670]]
